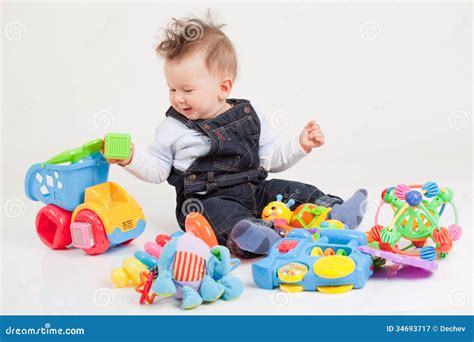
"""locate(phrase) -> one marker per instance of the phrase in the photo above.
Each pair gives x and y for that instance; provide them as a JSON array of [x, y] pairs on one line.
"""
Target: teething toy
[[416, 219]]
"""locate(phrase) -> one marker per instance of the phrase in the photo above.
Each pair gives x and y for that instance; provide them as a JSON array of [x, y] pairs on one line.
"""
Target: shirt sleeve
[[275, 155], [153, 165]]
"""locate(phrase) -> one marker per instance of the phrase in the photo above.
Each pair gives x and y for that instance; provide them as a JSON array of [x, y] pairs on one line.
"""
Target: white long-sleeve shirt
[[176, 145]]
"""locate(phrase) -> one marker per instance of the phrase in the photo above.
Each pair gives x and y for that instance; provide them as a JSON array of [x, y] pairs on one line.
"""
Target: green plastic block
[[117, 146]]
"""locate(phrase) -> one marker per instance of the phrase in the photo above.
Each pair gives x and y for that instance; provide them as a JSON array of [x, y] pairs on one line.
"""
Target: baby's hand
[[121, 162], [312, 136]]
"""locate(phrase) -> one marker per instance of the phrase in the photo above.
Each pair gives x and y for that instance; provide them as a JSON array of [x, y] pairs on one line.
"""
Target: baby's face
[[194, 92]]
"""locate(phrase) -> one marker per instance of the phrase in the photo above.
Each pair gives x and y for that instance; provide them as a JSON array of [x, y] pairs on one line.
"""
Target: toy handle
[[74, 155], [234, 263], [456, 217]]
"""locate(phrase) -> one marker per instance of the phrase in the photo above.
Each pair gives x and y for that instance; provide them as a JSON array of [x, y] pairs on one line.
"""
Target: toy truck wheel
[[52, 226], [100, 241]]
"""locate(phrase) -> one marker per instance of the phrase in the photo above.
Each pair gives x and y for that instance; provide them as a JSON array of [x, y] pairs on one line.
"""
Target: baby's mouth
[[187, 110]]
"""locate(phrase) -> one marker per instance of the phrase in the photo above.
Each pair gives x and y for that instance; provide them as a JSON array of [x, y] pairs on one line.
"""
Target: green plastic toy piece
[[315, 211], [117, 146], [74, 155], [411, 217], [217, 253]]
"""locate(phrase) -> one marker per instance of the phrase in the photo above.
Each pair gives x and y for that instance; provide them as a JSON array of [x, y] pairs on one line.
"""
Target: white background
[[390, 84]]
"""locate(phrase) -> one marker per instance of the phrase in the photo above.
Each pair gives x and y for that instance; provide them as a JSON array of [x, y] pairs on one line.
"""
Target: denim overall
[[228, 184]]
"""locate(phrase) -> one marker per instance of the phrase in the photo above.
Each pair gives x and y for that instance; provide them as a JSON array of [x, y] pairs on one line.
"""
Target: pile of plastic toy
[[316, 255], [86, 211]]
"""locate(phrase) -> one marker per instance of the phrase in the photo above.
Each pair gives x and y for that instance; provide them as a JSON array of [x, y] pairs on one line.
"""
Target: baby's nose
[[180, 99]]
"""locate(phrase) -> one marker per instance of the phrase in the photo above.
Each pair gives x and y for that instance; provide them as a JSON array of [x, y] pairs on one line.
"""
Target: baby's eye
[[172, 90], [189, 91]]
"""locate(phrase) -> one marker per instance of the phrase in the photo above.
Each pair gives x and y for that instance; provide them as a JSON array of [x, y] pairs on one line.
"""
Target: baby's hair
[[188, 35]]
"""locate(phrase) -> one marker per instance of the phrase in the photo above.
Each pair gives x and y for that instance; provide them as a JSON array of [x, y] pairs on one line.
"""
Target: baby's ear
[[225, 87]]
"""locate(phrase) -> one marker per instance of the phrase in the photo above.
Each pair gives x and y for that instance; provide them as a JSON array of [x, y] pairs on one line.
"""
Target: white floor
[[37, 280], [390, 84]]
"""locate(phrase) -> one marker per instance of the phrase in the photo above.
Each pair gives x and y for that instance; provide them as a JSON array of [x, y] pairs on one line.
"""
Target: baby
[[217, 151]]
